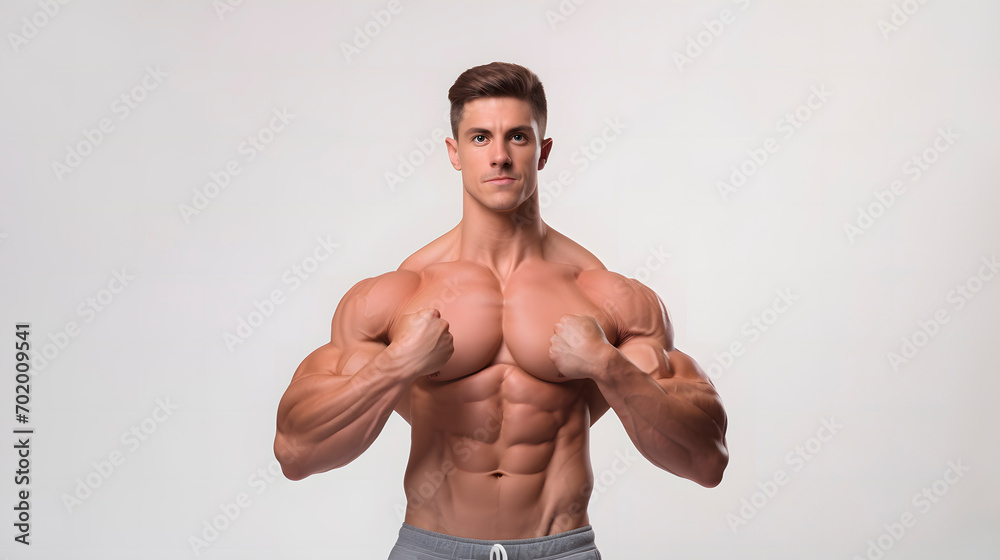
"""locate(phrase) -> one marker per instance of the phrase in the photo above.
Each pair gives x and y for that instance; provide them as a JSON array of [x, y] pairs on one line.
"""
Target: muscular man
[[500, 343]]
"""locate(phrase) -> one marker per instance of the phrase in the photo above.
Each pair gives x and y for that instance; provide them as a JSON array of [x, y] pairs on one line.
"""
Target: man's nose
[[500, 155]]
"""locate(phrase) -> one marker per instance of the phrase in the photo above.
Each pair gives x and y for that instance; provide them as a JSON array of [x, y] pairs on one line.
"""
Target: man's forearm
[[326, 421], [671, 424]]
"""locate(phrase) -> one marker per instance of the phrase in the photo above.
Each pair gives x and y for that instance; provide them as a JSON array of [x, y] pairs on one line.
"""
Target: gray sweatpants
[[419, 544]]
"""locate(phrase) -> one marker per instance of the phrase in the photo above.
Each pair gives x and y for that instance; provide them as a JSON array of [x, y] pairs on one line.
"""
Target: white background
[[654, 188]]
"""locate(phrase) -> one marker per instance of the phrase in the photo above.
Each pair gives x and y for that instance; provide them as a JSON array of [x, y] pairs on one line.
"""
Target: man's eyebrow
[[522, 129]]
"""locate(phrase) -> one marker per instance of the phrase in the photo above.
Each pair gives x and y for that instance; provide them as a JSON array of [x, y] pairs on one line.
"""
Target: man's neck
[[500, 241]]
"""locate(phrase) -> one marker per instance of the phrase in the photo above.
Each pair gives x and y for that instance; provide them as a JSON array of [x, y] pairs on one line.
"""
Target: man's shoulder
[[626, 299], [616, 289], [372, 304], [376, 301], [439, 250], [634, 307], [562, 249]]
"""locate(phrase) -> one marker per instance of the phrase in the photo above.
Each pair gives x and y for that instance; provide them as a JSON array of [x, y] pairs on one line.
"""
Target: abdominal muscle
[[498, 454]]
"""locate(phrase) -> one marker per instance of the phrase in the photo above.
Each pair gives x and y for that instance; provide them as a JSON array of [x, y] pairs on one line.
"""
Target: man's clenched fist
[[579, 347], [421, 342]]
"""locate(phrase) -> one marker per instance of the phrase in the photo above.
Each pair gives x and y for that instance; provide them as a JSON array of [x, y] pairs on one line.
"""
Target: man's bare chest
[[503, 323]]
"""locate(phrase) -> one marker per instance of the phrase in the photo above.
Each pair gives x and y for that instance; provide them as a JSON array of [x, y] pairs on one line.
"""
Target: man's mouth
[[502, 180]]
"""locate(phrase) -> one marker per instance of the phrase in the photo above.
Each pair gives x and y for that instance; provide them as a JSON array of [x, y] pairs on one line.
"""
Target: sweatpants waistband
[[420, 544]]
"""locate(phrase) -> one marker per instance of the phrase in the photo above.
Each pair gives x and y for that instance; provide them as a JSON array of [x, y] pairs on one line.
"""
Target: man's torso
[[499, 439]]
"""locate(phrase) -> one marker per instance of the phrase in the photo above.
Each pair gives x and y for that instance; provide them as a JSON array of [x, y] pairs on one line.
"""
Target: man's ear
[[544, 157], [453, 153]]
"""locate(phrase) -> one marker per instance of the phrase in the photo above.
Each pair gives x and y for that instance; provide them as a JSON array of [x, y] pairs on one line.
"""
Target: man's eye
[[479, 138], [518, 137]]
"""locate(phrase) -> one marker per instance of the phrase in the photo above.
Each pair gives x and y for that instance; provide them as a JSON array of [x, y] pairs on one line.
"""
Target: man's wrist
[[390, 364], [612, 364], [618, 369]]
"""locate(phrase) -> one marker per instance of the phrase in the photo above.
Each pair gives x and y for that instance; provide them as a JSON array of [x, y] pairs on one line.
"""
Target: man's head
[[498, 120], [497, 79]]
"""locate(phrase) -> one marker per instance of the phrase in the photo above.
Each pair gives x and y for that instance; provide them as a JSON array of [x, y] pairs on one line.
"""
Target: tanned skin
[[500, 343]]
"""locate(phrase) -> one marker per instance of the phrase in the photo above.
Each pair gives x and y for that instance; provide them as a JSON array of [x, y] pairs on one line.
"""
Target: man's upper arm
[[360, 325], [646, 337], [358, 334], [642, 328], [644, 333]]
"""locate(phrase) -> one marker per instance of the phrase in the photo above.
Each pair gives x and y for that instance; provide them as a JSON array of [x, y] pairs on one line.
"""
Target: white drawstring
[[498, 552]]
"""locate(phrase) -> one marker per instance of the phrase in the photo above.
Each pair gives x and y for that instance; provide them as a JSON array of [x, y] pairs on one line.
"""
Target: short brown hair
[[498, 79]]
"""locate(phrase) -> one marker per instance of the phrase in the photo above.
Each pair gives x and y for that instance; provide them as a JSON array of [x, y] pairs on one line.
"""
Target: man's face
[[499, 151]]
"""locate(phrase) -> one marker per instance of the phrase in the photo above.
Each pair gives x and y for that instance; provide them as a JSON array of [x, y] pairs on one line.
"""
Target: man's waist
[[442, 545], [552, 495]]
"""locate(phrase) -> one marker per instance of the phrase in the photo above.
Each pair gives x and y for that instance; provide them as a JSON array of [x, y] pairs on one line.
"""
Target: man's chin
[[501, 202], [503, 208]]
